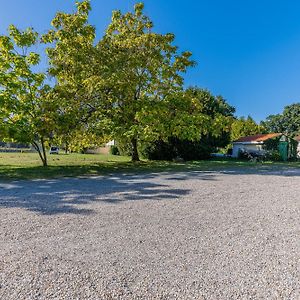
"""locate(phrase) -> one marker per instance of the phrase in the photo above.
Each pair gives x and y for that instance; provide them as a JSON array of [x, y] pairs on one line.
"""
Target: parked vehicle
[[54, 150]]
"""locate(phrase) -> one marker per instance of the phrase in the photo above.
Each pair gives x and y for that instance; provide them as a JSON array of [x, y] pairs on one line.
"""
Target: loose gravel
[[190, 235]]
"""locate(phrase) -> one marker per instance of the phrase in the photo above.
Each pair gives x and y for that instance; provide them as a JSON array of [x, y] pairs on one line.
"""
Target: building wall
[[237, 147], [111, 143], [99, 150]]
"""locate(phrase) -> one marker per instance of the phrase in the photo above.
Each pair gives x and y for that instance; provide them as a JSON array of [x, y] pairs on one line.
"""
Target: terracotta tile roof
[[257, 137]]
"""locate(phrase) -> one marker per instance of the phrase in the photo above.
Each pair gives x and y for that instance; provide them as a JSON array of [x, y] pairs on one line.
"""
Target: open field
[[175, 235], [28, 165]]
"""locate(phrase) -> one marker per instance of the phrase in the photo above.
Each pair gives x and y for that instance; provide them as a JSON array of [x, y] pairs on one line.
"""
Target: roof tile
[[258, 137]]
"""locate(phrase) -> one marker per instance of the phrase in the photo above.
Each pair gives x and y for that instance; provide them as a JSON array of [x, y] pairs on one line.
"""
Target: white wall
[[237, 147], [110, 143]]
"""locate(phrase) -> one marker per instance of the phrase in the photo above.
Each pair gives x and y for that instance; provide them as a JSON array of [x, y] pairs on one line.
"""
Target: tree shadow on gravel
[[73, 195]]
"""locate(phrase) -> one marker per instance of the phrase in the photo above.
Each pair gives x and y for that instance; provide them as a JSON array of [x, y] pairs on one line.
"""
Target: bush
[[175, 148], [243, 154], [274, 155], [158, 150], [114, 150], [124, 147], [252, 155], [193, 150], [229, 151]]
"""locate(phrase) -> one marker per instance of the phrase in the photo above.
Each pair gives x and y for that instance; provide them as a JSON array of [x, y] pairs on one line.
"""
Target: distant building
[[286, 146], [252, 142], [111, 143]]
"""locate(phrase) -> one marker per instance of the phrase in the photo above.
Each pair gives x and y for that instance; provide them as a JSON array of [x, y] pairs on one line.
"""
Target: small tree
[[26, 107]]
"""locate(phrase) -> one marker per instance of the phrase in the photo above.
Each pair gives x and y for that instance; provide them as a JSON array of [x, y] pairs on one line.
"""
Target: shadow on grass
[[10, 172]]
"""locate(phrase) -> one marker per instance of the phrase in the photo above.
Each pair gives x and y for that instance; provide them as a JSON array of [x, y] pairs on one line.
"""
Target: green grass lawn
[[28, 165]]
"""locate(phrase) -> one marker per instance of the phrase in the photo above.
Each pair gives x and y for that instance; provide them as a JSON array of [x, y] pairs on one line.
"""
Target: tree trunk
[[42, 154], [135, 153], [45, 163]]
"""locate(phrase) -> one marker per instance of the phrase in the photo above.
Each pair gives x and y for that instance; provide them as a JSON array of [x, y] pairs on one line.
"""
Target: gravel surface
[[193, 235]]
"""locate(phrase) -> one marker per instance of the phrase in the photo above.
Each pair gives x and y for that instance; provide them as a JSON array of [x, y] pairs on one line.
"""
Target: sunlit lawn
[[28, 165]]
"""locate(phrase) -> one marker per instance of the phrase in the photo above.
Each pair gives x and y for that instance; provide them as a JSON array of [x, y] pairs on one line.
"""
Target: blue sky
[[248, 51]]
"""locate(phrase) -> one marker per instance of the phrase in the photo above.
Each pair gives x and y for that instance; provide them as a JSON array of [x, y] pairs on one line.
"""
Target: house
[[104, 149], [285, 146], [252, 142]]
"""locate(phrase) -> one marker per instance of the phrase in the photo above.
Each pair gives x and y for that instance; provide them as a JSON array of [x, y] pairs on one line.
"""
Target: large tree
[[287, 122], [197, 129], [27, 109], [123, 85], [143, 74], [245, 126], [219, 113]]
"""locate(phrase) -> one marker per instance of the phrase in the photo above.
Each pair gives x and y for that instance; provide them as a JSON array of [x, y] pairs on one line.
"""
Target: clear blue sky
[[248, 51]]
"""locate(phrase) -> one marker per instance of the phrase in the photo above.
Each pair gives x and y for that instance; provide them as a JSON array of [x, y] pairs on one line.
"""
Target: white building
[[251, 143], [110, 143]]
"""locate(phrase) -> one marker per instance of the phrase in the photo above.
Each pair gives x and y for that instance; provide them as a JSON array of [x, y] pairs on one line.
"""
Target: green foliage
[[175, 148], [114, 150], [219, 115], [245, 127], [142, 80], [27, 110], [70, 52], [159, 150], [211, 131], [124, 147], [273, 155], [287, 122], [272, 146], [127, 86]]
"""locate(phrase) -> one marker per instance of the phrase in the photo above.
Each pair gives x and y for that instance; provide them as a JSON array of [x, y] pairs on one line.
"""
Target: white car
[[54, 150]]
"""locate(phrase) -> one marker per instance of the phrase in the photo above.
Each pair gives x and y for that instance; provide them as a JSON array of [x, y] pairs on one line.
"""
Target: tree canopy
[[129, 83], [244, 127], [211, 131], [26, 107], [126, 85], [287, 122]]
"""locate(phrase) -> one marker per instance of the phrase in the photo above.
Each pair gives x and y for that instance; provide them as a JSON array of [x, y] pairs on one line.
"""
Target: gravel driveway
[[190, 235]]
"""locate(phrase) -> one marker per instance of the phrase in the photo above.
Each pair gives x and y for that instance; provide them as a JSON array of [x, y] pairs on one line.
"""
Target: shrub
[[114, 150], [175, 148], [124, 146], [158, 150], [274, 155], [252, 155]]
